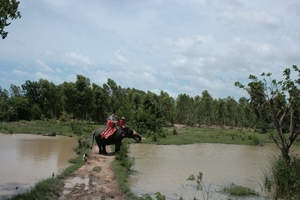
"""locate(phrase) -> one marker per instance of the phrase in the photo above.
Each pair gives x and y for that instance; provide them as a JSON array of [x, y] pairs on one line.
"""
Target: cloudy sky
[[178, 46]]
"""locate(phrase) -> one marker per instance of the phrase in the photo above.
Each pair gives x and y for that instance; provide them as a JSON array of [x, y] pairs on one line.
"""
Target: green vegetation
[[192, 135], [122, 167], [200, 185], [236, 190], [97, 169], [277, 105], [284, 178], [8, 10]]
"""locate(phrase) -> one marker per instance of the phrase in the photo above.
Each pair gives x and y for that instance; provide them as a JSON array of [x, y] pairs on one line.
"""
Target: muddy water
[[27, 159], [166, 168]]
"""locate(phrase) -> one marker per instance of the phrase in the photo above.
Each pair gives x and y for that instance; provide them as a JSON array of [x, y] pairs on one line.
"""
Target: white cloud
[[42, 66], [234, 12], [77, 60], [51, 78], [20, 72]]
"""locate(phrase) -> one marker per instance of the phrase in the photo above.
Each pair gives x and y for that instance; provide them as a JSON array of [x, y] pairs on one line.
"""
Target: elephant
[[116, 138]]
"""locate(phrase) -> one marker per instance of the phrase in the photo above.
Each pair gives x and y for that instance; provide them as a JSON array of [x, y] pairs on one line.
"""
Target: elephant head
[[130, 133]]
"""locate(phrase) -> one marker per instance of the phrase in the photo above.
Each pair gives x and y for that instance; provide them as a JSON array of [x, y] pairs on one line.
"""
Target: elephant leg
[[104, 150], [117, 146]]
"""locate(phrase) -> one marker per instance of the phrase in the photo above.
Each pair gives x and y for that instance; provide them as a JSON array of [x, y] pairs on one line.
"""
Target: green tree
[[84, 97], [68, 98], [149, 115], [185, 109], [284, 112], [101, 104], [50, 98], [20, 107], [167, 105], [231, 111], [221, 112], [207, 107], [8, 10], [198, 113], [6, 111]]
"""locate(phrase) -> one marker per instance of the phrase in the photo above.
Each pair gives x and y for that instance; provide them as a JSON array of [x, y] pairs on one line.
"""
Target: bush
[[284, 177]]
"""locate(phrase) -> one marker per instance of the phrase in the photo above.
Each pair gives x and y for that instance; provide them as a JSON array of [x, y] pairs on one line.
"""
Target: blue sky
[[171, 45]]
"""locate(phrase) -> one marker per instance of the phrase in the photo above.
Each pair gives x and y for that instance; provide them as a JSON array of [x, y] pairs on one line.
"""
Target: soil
[[86, 183]]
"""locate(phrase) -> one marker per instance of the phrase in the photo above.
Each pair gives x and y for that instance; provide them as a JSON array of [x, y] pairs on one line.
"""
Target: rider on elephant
[[110, 128], [122, 122]]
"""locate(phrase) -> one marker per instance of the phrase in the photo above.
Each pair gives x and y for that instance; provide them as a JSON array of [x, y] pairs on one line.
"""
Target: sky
[[176, 46]]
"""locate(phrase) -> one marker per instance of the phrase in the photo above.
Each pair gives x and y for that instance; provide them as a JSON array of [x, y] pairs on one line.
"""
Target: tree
[[185, 109], [50, 98], [282, 98], [85, 97], [8, 9], [231, 111], [207, 107]]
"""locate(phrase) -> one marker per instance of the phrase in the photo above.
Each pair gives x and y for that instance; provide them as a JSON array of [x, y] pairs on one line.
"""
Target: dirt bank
[[88, 184]]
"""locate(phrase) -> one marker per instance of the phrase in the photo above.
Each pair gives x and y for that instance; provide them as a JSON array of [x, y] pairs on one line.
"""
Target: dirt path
[[88, 184]]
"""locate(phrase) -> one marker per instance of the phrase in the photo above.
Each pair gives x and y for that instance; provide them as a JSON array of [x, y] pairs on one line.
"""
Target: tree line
[[84, 100]]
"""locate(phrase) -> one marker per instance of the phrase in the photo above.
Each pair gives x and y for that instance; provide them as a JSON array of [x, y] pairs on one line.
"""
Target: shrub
[[284, 177]]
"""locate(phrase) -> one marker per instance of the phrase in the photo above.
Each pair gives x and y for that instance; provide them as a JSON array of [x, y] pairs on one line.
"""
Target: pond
[[165, 168], [28, 159]]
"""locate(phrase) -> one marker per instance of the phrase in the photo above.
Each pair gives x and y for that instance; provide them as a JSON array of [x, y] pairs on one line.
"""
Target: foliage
[[200, 184], [277, 103], [6, 128], [284, 177], [122, 167], [146, 112], [122, 157], [191, 135], [8, 10], [237, 190]]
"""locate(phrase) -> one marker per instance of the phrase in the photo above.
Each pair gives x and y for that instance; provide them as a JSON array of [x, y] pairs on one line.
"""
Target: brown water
[[166, 168], [27, 159]]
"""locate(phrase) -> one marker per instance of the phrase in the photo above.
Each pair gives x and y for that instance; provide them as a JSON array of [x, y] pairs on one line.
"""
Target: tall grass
[[283, 178], [6, 128], [122, 167]]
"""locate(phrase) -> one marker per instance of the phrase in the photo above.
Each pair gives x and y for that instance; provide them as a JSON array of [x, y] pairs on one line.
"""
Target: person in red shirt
[[122, 122]]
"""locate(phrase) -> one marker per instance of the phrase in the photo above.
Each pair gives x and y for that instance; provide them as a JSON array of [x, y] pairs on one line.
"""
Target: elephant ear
[[123, 134]]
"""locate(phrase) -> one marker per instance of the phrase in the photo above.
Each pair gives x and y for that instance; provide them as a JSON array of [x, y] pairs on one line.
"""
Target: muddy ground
[[88, 184]]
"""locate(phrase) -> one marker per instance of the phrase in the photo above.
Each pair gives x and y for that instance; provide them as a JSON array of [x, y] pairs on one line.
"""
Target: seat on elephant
[[108, 132]]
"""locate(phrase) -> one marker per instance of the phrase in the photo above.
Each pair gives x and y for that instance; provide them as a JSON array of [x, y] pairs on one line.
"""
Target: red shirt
[[110, 123], [121, 122]]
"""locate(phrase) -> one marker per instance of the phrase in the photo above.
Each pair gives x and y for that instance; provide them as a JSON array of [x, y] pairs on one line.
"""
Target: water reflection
[[166, 168], [27, 159]]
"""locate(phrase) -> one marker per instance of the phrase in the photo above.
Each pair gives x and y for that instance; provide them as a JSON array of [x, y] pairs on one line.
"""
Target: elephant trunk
[[137, 137]]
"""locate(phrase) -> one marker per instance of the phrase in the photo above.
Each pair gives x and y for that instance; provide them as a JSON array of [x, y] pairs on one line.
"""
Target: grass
[[236, 190], [97, 169], [41, 127], [191, 135]]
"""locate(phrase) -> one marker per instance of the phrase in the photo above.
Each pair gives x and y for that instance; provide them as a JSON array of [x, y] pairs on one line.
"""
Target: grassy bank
[[191, 135]]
